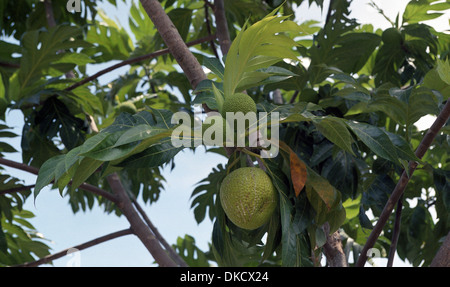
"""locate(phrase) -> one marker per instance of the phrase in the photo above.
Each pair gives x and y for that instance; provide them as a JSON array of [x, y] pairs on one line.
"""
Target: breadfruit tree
[[340, 100]]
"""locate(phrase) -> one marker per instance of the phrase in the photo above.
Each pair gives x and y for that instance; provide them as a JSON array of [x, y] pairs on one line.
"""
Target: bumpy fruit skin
[[248, 197], [238, 102]]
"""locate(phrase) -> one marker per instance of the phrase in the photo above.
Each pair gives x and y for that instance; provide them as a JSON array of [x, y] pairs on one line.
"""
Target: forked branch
[[404, 179], [80, 247]]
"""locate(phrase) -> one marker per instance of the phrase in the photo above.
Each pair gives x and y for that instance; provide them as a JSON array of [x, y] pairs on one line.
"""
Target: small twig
[[294, 97], [330, 9], [208, 28], [135, 60], [16, 189], [85, 245], [395, 232], [9, 65], [404, 179]]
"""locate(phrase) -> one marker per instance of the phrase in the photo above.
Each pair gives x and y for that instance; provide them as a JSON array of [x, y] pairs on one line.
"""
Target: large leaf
[[203, 196], [353, 50], [335, 130], [191, 254], [54, 118], [153, 156], [402, 147], [324, 190], [298, 172], [420, 10], [111, 42], [21, 238], [341, 171], [265, 38], [376, 139], [289, 237], [378, 192], [40, 51], [387, 63], [215, 66], [47, 173]]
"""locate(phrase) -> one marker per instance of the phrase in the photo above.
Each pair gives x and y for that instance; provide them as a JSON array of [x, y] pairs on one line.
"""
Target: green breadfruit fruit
[[238, 102], [248, 197]]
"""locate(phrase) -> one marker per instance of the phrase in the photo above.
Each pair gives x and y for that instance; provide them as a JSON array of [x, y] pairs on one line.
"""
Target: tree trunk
[[333, 248], [137, 225], [442, 258], [179, 50]]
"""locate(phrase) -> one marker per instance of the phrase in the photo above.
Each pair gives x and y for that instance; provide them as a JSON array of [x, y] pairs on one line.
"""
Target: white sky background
[[171, 214]]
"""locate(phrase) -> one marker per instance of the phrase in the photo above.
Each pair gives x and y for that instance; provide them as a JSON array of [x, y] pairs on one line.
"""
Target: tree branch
[[208, 28], [49, 13], [122, 200], [333, 248], [404, 179], [158, 235], [330, 10], [16, 189], [135, 60], [442, 257], [294, 97], [179, 50], [222, 26], [395, 232], [51, 22], [34, 170], [139, 227], [85, 245], [9, 65]]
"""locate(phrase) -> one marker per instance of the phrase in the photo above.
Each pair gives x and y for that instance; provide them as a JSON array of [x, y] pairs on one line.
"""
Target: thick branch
[[80, 247], [333, 248], [179, 50], [49, 13], [160, 238], [123, 202], [222, 26], [404, 179], [139, 227], [442, 257]]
